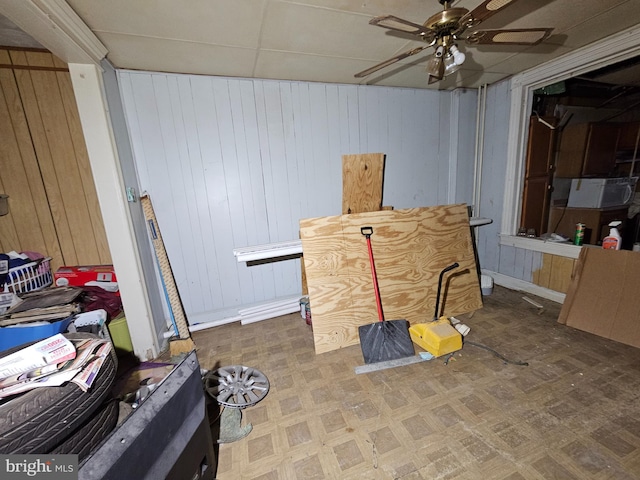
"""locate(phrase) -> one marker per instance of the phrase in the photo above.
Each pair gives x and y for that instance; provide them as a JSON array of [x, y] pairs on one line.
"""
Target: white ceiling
[[330, 40]]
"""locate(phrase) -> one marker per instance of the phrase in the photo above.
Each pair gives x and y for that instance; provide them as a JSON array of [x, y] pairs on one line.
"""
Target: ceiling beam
[[57, 27]]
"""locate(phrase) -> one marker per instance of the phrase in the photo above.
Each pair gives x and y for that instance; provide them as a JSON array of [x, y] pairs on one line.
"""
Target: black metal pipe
[[444, 270]]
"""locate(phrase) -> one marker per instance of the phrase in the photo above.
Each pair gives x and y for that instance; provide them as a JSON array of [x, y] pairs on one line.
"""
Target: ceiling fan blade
[[401, 25], [388, 62], [487, 9], [522, 36]]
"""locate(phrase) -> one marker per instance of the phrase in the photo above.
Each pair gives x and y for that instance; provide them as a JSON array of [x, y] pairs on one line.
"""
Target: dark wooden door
[[538, 175]]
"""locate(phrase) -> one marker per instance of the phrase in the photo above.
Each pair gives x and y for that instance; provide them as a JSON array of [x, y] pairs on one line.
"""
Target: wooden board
[[168, 280], [410, 248], [362, 182], [362, 177]]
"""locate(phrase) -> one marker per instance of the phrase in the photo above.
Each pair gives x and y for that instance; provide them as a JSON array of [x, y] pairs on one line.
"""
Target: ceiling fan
[[442, 30]]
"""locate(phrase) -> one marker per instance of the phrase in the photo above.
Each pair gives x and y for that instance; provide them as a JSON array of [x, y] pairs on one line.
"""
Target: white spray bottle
[[613, 240]]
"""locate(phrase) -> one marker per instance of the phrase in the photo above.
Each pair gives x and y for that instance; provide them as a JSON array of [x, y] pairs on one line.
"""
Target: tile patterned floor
[[573, 413]]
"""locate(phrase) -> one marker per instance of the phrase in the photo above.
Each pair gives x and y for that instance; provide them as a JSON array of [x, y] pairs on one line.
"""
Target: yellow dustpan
[[437, 337]]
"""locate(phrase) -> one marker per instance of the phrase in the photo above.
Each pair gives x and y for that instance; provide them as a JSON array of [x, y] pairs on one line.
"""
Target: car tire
[[40, 419], [91, 433]]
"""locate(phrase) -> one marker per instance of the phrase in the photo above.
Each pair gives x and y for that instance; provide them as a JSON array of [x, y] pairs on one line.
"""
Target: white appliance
[[601, 192]]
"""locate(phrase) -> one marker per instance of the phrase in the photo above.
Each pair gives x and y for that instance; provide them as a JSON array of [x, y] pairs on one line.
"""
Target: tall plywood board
[[362, 176], [410, 248]]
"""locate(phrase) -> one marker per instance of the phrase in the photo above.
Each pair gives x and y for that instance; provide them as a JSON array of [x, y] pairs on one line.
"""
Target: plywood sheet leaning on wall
[[410, 246], [362, 176]]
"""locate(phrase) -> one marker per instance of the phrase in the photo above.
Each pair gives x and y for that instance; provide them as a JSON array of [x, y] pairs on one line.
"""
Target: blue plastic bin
[[13, 336]]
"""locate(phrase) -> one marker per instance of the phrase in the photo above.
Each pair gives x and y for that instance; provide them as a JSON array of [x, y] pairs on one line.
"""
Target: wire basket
[[29, 277]]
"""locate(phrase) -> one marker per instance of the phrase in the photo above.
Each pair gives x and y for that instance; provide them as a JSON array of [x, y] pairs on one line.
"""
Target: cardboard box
[[603, 295], [80, 275]]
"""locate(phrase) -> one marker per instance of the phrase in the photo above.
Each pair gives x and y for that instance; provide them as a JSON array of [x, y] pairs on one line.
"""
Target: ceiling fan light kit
[[442, 30], [435, 65], [453, 61]]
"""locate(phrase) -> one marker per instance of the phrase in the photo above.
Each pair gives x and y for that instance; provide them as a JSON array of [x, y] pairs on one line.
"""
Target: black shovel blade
[[387, 340]]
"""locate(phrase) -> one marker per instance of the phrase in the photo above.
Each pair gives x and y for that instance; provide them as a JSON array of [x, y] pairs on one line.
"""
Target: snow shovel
[[383, 340]]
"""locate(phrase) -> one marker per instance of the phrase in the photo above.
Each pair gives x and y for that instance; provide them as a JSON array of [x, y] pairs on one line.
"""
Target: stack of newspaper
[[53, 362]]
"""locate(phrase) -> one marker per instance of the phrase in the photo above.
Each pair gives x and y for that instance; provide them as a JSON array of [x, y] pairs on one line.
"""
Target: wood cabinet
[[587, 150], [563, 220]]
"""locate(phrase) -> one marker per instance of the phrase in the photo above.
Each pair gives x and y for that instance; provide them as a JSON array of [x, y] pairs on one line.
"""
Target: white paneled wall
[[519, 263], [238, 162]]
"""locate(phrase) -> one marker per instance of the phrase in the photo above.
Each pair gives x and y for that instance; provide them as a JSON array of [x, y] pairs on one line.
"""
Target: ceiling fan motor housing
[[447, 21]]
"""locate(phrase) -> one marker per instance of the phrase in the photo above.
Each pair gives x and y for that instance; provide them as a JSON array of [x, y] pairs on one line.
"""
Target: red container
[[80, 275]]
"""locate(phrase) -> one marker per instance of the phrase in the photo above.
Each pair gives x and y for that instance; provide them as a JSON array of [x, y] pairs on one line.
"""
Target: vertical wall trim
[[479, 152], [454, 132], [96, 124]]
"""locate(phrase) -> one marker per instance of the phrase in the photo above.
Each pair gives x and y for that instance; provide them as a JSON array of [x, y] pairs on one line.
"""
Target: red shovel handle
[[367, 232]]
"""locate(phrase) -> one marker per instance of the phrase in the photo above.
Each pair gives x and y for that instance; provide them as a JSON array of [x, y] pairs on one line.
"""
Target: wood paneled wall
[[542, 269], [44, 167], [555, 273]]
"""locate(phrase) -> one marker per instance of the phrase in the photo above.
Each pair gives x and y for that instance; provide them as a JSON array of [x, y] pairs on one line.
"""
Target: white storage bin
[[29, 277]]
